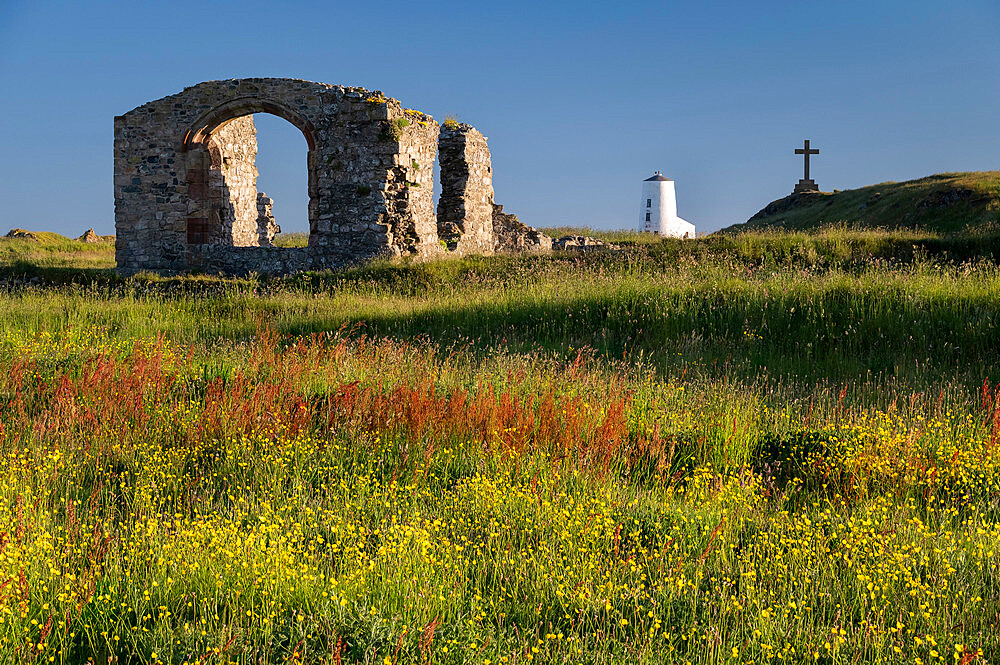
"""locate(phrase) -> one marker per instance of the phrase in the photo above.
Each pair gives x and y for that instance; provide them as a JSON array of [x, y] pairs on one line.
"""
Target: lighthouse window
[[647, 216], [649, 203]]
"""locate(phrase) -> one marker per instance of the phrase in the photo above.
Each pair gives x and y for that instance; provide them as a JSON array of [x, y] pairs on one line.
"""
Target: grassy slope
[[943, 203], [51, 251]]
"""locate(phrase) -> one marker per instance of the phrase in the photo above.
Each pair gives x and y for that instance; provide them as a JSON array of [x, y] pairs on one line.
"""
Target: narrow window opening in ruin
[[649, 203], [436, 175], [244, 175], [282, 182]]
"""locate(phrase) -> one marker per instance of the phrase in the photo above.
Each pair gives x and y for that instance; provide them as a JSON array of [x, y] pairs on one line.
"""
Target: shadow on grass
[[838, 334], [717, 324], [31, 273]]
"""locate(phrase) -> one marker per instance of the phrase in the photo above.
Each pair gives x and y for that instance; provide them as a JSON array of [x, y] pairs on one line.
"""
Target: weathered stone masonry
[[226, 193], [185, 180], [465, 208]]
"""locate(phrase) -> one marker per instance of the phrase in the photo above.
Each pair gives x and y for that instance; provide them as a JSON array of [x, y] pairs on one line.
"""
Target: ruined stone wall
[[369, 171], [409, 195], [215, 259], [267, 226], [512, 235], [222, 186], [465, 208], [186, 181], [235, 180]]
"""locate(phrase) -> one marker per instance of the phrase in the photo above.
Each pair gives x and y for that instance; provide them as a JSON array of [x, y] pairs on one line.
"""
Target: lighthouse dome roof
[[657, 177]]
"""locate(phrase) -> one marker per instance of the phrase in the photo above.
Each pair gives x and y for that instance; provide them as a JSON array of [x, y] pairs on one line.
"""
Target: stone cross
[[806, 151], [806, 184]]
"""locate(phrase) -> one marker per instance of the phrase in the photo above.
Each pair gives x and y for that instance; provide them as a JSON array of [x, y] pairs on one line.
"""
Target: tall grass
[[880, 330], [346, 499], [55, 251], [749, 449]]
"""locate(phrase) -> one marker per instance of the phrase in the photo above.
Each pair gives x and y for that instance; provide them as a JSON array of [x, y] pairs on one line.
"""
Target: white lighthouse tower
[[658, 209]]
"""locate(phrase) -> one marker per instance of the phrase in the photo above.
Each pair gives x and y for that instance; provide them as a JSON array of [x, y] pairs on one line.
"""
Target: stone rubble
[[267, 226], [582, 244], [512, 235]]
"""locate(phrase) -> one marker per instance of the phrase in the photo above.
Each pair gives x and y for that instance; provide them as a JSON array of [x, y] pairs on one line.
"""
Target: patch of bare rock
[[23, 234], [90, 236]]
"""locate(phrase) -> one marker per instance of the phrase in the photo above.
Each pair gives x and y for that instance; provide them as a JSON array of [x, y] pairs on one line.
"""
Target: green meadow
[[757, 447]]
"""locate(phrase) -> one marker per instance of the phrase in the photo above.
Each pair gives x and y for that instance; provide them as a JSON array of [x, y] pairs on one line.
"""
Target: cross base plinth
[[806, 186]]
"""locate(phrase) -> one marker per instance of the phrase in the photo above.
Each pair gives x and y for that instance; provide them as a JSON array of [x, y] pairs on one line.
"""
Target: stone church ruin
[[186, 193]]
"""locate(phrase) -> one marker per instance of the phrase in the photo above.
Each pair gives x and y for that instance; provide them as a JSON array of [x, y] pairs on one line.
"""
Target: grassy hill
[[31, 251], [943, 203]]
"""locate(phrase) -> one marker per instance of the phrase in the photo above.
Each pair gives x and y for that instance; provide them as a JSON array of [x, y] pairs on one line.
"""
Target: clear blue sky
[[580, 101]]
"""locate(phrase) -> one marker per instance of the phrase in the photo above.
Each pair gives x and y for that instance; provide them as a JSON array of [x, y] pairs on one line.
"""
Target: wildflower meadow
[[757, 450]]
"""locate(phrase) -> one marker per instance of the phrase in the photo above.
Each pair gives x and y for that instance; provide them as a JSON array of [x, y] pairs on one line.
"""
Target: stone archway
[[220, 151], [370, 178]]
